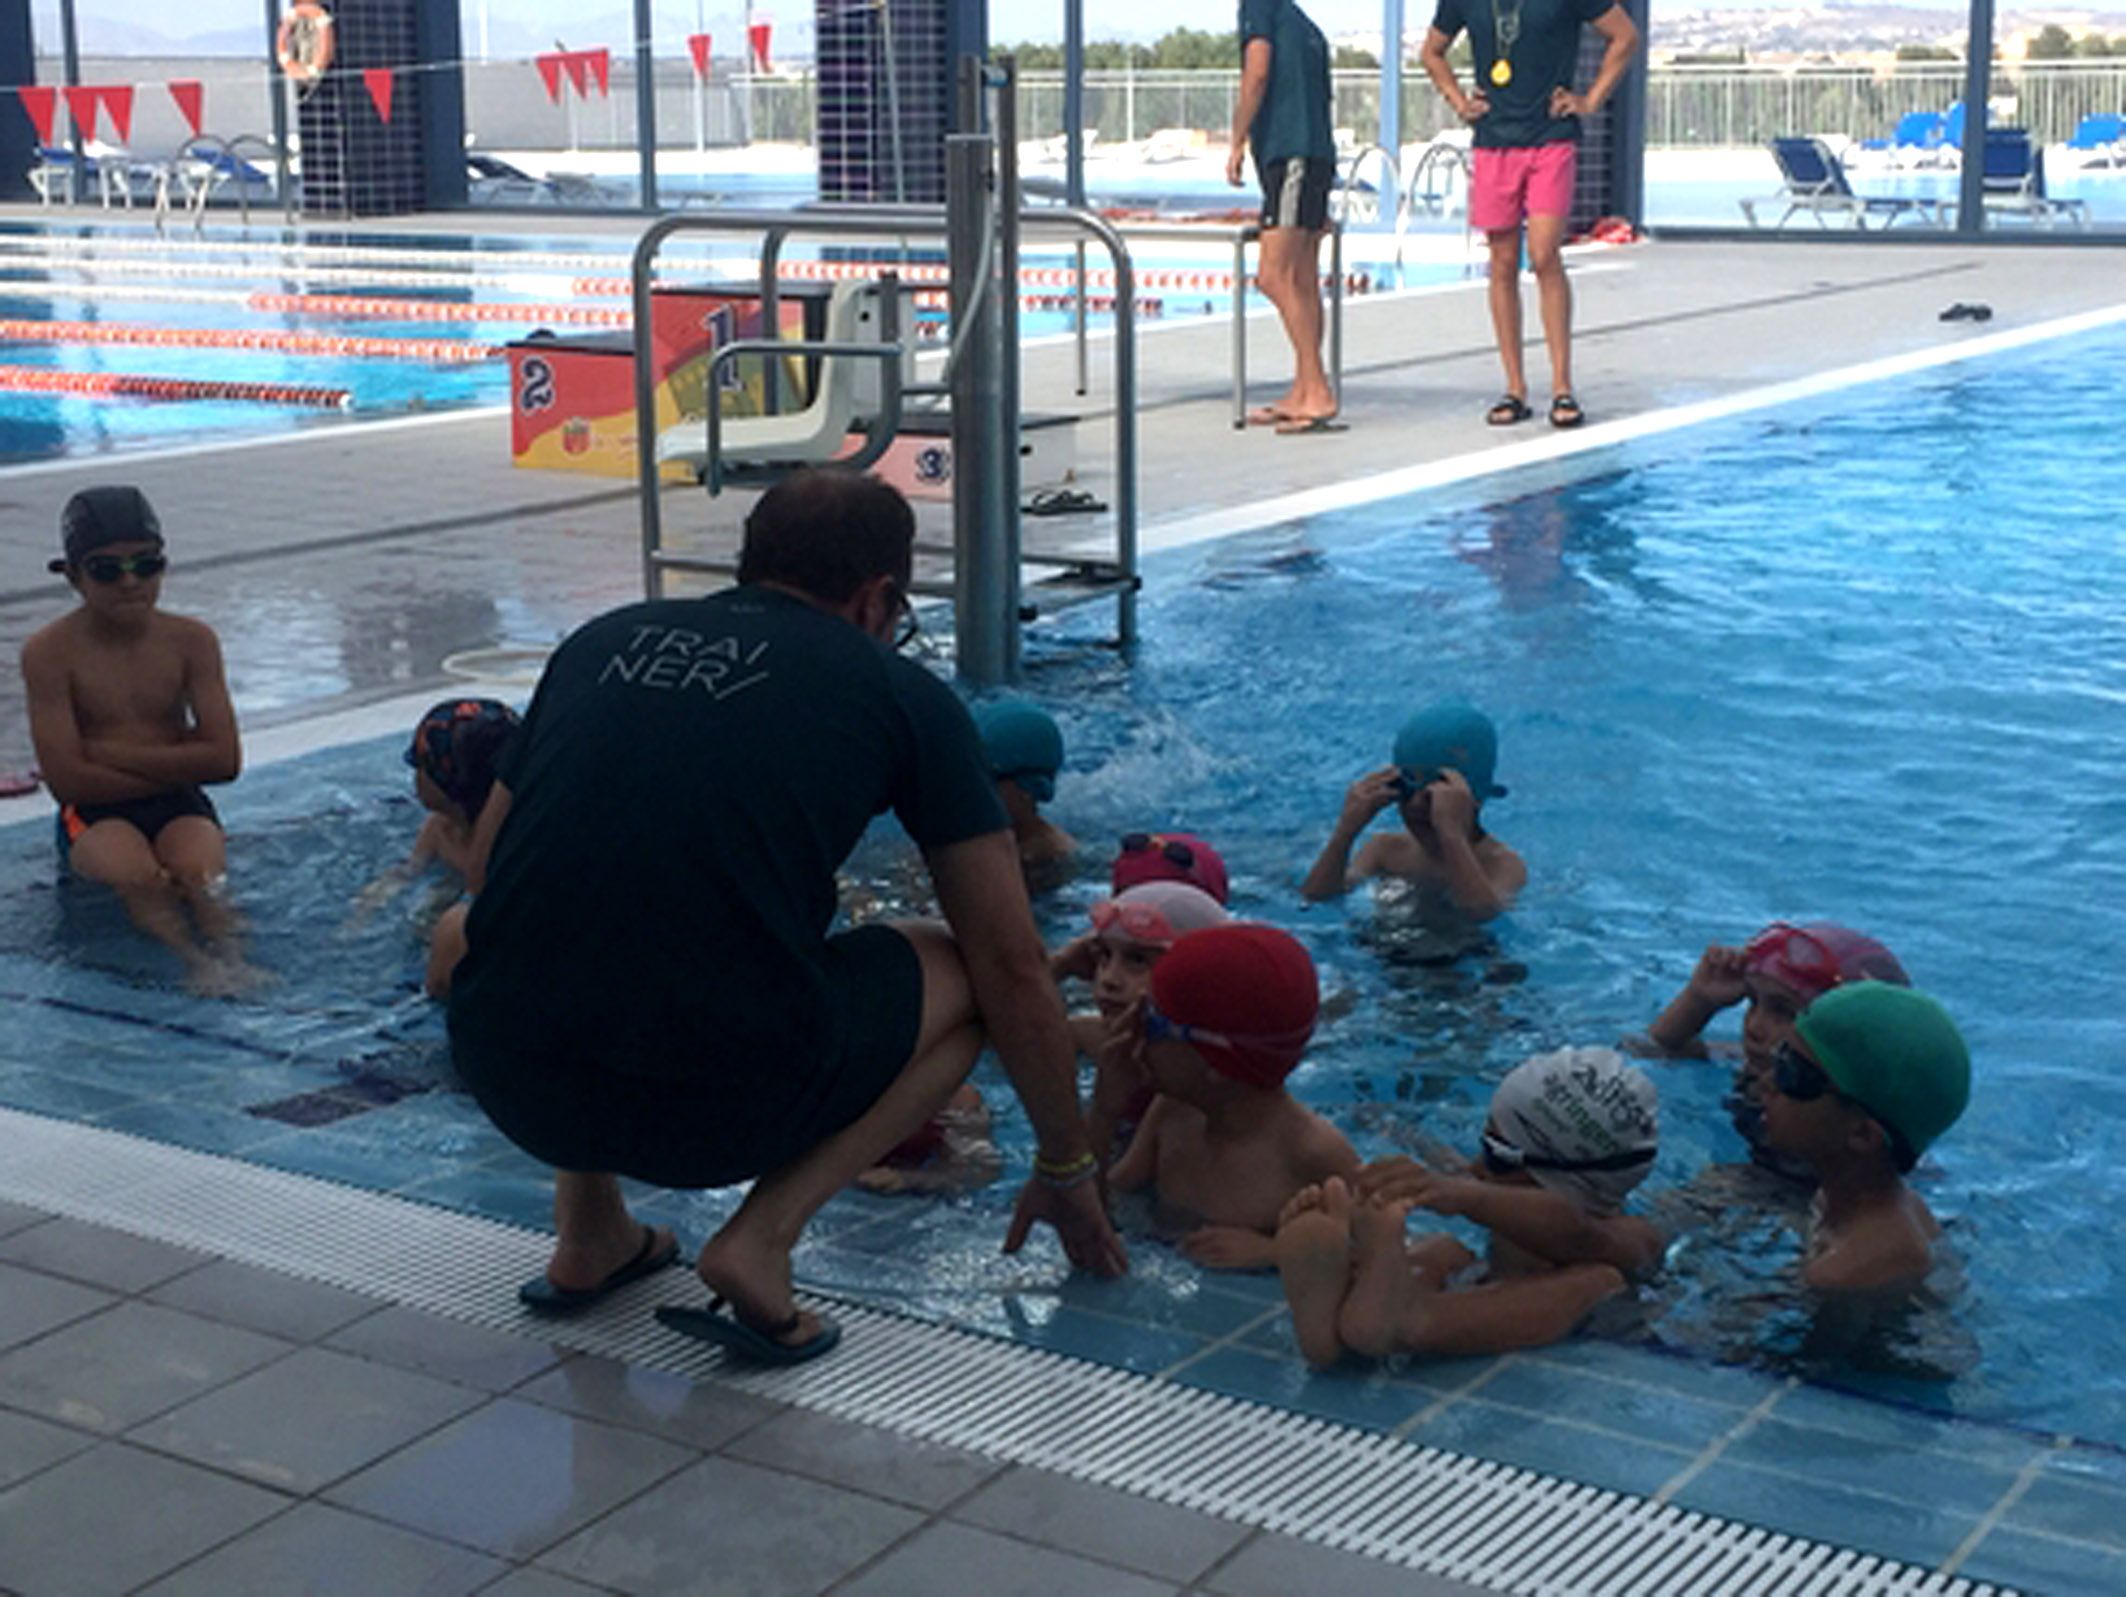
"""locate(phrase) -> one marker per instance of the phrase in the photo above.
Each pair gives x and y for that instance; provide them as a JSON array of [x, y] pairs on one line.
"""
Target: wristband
[[1062, 1174]]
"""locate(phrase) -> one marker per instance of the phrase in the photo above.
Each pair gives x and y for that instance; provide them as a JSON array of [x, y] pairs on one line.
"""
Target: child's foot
[[1314, 1260], [1373, 1309]]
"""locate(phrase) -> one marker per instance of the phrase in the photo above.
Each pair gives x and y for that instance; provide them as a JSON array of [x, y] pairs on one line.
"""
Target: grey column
[[18, 64], [1978, 84], [646, 104]]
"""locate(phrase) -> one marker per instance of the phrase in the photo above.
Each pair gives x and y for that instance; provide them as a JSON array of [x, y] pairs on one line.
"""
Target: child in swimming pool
[[1438, 785], [1871, 1076], [1025, 750], [131, 718], [1779, 973], [1570, 1134], [1224, 1146]]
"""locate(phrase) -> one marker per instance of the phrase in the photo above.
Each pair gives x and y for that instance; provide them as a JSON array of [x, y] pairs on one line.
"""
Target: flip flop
[[1062, 502], [541, 1296], [1565, 411], [15, 784], [1509, 408], [1298, 425], [744, 1338]]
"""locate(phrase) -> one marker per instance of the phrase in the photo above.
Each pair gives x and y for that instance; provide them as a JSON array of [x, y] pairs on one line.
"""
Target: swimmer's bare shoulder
[[1888, 1248], [1396, 854]]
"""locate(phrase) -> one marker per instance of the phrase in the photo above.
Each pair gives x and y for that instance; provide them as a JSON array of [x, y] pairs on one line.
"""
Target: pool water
[[1859, 659]]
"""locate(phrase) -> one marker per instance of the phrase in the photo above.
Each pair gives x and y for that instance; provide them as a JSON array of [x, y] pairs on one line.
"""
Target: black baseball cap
[[98, 517]]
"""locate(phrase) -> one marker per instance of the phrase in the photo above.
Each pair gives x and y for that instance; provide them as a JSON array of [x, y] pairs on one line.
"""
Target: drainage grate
[[1485, 1523]]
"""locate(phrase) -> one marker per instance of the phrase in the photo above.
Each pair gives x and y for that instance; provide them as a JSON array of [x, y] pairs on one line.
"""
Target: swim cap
[[98, 517], [1023, 744], [1169, 857], [1451, 735], [1577, 1108], [1158, 913], [1814, 958], [1249, 994], [1897, 1054], [458, 744]]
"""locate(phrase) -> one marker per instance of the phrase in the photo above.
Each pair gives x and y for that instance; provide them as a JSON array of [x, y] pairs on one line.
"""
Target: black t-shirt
[[689, 777], [1293, 121], [1544, 52]]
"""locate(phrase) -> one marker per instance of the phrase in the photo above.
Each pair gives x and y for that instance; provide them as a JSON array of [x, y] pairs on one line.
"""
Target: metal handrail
[[1393, 187], [1437, 154], [196, 199]]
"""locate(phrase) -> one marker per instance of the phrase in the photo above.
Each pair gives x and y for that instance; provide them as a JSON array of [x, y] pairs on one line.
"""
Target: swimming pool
[[1856, 658]]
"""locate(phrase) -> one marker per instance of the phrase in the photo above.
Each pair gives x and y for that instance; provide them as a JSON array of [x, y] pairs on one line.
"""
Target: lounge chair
[[1914, 141], [1816, 183], [2099, 140], [2015, 182]]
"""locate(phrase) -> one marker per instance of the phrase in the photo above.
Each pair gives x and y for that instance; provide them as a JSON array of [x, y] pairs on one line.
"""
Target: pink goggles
[[1814, 959], [1140, 923]]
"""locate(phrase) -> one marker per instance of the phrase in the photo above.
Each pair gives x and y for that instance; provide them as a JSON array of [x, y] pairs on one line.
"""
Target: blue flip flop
[[541, 1296], [752, 1341]]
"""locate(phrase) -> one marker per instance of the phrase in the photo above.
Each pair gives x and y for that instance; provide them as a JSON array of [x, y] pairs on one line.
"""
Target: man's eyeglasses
[[1172, 850], [1502, 1157], [109, 568]]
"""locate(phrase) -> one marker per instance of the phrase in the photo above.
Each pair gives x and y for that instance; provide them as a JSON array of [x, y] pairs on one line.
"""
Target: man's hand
[[1370, 794], [1472, 108], [1089, 1242], [1563, 102], [1235, 160]]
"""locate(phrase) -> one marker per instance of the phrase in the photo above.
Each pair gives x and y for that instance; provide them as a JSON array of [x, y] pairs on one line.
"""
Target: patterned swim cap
[[458, 744]]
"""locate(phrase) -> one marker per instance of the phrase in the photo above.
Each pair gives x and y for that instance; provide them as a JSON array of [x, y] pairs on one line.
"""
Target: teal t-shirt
[[689, 777], [1543, 52], [1293, 121]]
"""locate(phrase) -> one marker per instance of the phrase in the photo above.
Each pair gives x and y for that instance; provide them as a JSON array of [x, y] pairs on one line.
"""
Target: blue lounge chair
[[1917, 134], [2100, 139], [2015, 181], [1816, 183]]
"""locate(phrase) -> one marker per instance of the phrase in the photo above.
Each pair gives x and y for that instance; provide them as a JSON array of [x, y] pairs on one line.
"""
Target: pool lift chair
[[1816, 183]]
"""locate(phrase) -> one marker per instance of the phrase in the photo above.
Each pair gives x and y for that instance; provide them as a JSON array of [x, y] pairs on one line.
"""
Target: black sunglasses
[[1174, 852], [109, 568], [908, 628]]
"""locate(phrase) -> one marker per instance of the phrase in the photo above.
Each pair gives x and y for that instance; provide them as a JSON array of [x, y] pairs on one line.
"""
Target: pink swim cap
[[1170, 857], [1243, 995], [1814, 958]]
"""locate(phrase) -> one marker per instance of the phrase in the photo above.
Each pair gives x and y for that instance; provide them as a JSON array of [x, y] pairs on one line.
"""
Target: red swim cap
[[1170, 857], [1814, 958], [1244, 995]]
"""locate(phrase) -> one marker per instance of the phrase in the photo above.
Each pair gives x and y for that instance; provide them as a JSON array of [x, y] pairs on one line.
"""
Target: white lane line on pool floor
[[1185, 531]]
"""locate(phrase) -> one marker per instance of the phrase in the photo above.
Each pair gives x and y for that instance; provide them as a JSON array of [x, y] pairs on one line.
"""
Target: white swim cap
[[1158, 913], [1581, 1121]]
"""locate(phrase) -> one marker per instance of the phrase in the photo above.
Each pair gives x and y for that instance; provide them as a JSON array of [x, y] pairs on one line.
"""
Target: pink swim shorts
[[1508, 186]]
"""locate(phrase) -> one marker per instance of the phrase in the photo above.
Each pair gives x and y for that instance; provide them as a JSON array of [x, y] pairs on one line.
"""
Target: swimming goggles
[[1172, 850], [1407, 785], [1160, 1028], [1502, 1157], [1142, 923], [1799, 951], [109, 568]]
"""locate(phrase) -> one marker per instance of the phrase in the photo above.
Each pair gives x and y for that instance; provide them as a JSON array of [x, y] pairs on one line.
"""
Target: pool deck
[[341, 568]]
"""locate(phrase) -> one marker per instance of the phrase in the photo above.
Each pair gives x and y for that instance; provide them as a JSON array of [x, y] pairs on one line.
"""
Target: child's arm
[[210, 752], [1543, 1223], [69, 771], [1475, 892], [1137, 1167], [1869, 1257], [1714, 985], [1074, 958], [1334, 872]]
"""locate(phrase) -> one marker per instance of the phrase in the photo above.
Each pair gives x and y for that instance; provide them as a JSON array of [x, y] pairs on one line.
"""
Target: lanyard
[[1506, 32]]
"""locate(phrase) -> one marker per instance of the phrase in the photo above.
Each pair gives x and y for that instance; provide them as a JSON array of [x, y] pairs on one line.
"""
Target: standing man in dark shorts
[[1283, 116], [650, 989], [1527, 119]]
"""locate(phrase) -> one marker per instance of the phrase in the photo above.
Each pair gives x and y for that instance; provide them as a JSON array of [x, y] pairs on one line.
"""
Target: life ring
[[303, 46]]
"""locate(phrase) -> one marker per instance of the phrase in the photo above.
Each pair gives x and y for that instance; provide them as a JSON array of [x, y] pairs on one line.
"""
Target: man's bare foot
[[1314, 1260], [1373, 1310], [755, 1280]]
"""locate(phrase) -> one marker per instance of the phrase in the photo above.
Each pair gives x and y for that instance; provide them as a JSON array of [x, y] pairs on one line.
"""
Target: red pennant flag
[[601, 68], [550, 74], [191, 97], [758, 35], [577, 64], [698, 43], [81, 102], [118, 105], [42, 105], [378, 81]]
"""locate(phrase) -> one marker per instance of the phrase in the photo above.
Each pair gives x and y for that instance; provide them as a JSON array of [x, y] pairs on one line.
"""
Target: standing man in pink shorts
[[1527, 134]]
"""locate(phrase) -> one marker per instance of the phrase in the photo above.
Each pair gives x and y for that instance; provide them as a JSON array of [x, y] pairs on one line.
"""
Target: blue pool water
[[1860, 658]]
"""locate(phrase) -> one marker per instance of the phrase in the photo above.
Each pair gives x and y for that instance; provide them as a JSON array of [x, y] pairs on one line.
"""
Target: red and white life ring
[[303, 46]]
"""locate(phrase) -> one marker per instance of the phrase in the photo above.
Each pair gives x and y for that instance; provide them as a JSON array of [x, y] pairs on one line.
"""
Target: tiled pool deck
[[163, 1414]]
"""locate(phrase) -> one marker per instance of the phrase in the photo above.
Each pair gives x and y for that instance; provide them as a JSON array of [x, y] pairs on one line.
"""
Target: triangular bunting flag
[[118, 106], [191, 97], [601, 68], [42, 105], [758, 35], [378, 81], [550, 74], [577, 64], [698, 44], [81, 101]]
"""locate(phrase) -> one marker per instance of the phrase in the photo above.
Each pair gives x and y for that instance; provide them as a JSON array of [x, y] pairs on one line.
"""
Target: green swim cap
[[1024, 745], [1451, 734], [1894, 1052]]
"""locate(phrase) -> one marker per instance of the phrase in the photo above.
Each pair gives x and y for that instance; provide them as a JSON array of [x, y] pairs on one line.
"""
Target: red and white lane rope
[[381, 308], [41, 380], [344, 345]]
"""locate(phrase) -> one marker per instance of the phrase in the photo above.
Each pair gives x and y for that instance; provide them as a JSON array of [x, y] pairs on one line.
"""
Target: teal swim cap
[[1451, 734], [1894, 1052], [1024, 745]]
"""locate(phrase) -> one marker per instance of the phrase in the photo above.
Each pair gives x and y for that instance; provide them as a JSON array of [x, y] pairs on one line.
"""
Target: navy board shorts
[[700, 1120], [1295, 193], [147, 815]]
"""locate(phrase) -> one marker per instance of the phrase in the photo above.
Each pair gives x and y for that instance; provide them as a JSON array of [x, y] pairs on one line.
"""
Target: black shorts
[[700, 1124], [1295, 193], [148, 815]]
